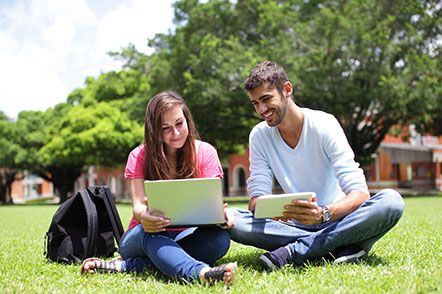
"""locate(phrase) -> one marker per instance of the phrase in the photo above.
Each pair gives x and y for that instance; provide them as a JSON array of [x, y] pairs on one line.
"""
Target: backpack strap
[[111, 209], [92, 223], [113, 213]]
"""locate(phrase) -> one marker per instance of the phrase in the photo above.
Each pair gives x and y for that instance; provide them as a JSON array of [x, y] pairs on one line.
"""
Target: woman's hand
[[228, 216], [153, 223]]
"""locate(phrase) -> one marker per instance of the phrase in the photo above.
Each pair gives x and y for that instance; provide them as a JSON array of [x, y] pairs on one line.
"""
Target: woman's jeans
[[178, 254], [363, 228]]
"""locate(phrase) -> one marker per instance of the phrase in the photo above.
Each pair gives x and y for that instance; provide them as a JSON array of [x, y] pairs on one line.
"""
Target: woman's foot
[[95, 265], [224, 273]]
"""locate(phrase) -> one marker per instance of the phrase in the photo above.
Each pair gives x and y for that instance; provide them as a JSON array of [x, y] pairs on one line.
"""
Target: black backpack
[[84, 226]]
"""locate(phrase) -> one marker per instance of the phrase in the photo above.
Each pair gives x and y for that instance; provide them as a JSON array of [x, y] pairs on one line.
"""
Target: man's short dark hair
[[267, 73]]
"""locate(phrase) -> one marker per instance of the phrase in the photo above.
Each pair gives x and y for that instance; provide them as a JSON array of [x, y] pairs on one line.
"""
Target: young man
[[306, 150]]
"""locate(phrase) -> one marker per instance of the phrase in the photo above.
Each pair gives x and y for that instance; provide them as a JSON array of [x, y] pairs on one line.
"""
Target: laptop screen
[[187, 202]]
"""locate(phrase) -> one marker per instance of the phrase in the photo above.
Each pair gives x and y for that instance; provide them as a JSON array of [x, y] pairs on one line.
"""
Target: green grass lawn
[[407, 260]]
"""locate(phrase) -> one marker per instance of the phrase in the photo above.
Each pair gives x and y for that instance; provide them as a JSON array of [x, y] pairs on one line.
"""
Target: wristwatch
[[325, 214]]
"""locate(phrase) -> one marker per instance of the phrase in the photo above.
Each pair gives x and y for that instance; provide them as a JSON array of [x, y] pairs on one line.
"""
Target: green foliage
[[205, 61], [405, 260], [19, 145], [372, 64], [33, 129], [98, 134], [11, 154], [11, 157], [128, 90], [60, 142], [94, 128]]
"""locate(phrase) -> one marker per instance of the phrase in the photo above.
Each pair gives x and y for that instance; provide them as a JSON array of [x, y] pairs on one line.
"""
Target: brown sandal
[[216, 274], [101, 266]]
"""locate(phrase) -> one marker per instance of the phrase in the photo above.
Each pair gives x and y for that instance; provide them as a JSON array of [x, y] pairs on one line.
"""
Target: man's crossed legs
[[346, 239]]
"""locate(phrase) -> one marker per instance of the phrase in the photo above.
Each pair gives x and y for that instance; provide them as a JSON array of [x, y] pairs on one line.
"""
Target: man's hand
[[153, 222], [303, 211]]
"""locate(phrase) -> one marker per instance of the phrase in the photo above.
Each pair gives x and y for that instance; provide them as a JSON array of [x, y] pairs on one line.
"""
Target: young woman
[[171, 150]]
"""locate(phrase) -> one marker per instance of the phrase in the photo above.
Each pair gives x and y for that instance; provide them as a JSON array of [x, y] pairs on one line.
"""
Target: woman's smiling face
[[174, 130]]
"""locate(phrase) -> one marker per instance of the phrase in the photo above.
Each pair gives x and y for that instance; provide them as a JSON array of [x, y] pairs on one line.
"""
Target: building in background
[[413, 163], [30, 187]]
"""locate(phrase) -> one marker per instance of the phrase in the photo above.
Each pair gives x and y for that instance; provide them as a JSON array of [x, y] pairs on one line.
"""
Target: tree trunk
[[64, 179], [2, 194], [7, 177]]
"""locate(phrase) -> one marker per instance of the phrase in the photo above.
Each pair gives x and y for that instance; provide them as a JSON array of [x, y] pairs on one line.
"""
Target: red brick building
[[414, 164]]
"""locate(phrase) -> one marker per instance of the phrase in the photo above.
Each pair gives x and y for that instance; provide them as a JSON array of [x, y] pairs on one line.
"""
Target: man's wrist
[[325, 217], [252, 203]]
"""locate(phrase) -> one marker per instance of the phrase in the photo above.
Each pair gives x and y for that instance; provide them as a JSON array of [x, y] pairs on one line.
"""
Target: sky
[[49, 47]]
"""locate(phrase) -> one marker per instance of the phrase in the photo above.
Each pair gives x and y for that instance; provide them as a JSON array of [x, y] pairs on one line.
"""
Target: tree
[[205, 61], [99, 134], [35, 126], [127, 89], [432, 122], [372, 64], [65, 139], [99, 125], [11, 156]]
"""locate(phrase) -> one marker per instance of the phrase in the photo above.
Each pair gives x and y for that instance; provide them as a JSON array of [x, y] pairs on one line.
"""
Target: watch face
[[326, 214]]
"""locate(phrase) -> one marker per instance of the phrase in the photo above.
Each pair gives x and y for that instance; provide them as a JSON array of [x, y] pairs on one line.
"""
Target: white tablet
[[269, 206]]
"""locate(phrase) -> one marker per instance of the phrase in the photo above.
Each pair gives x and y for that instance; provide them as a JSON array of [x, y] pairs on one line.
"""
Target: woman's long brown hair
[[156, 166]]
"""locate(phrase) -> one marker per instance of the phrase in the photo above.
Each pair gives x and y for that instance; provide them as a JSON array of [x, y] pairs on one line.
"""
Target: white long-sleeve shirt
[[322, 161]]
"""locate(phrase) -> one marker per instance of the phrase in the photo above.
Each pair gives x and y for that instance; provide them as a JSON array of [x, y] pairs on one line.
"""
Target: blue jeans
[[177, 254], [363, 228]]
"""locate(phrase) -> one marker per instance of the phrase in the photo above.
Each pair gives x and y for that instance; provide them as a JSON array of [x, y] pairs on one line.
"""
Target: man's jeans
[[178, 254], [363, 228]]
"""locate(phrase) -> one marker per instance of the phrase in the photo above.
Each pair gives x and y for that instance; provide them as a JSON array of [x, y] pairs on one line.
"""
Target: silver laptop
[[187, 202]]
